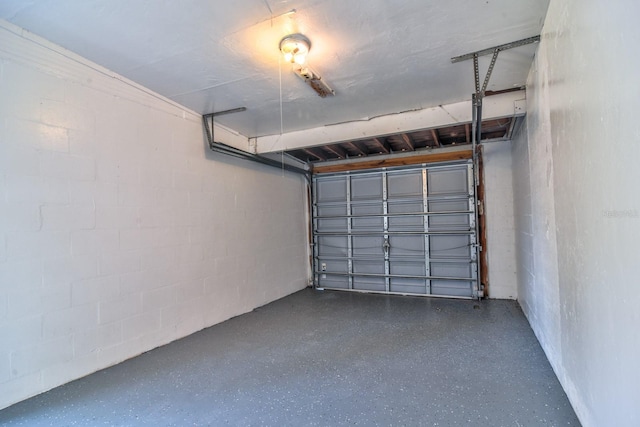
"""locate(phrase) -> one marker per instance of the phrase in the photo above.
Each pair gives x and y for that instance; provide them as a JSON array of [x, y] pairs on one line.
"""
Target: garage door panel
[[408, 286], [450, 269], [407, 268], [406, 230], [451, 288], [399, 221], [449, 246], [369, 267], [374, 284], [405, 185], [448, 182], [335, 266], [368, 246], [332, 246], [406, 245], [332, 225], [339, 209], [368, 187], [363, 219], [331, 190], [458, 222], [334, 281]]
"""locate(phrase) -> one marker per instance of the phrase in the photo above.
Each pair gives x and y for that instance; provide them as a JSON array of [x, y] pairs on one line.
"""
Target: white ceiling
[[380, 56]]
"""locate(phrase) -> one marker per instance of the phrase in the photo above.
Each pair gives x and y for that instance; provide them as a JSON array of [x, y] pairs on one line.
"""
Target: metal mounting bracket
[[494, 51], [206, 118]]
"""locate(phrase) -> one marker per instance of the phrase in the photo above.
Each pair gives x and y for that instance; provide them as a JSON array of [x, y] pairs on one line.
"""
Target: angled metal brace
[[477, 107], [494, 51], [490, 50], [206, 118], [219, 147]]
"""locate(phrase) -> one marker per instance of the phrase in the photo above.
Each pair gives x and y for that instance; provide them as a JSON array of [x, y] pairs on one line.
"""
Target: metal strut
[[477, 113], [219, 147]]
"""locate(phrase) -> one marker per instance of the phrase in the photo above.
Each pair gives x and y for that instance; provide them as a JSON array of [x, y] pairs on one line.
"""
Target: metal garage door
[[397, 231]]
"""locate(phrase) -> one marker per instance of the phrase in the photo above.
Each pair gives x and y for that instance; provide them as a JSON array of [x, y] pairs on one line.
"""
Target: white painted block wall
[[577, 208], [498, 207], [119, 230]]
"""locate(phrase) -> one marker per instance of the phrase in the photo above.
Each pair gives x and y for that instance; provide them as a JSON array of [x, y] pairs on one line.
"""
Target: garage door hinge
[[480, 207]]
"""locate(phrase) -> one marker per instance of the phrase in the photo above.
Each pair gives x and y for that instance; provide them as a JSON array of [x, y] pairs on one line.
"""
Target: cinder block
[[182, 319], [22, 273], [93, 242], [19, 388], [117, 217], [119, 352], [195, 271], [18, 158], [188, 254], [82, 193], [141, 325], [119, 263], [82, 168], [33, 302], [54, 165], [153, 217], [58, 113], [170, 198], [33, 244], [118, 170], [134, 195], [170, 236], [4, 308], [121, 308], [21, 332], [156, 258], [78, 367], [94, 340], [130, 239], [32, 359], [106, 194], [5, 366], [82, 142], [68, 217], [23, 188], [154, 177], [19, 216], [94, 290], [65, 270], [187, 181], [68, 321], [38, 136], [155, 299], [54, 191]]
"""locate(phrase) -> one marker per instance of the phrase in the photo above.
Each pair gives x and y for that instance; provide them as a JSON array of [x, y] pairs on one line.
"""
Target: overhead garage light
[[295, 48]]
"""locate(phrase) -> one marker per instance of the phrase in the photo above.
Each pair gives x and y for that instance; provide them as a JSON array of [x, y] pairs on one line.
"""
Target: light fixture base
[[295, 48]]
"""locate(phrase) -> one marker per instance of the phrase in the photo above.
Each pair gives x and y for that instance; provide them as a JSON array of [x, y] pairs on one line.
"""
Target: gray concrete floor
[[327, 358]]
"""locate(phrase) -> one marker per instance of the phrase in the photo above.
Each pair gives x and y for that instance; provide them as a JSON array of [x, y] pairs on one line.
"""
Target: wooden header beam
[[395, 161]]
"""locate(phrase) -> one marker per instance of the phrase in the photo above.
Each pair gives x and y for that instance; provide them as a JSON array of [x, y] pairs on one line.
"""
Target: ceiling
[[380, 56]]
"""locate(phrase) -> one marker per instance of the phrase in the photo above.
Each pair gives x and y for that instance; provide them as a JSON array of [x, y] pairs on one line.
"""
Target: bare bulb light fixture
[[295, 48]]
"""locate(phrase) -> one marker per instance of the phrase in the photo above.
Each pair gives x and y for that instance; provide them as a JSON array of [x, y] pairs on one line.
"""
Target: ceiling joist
[[434, 135], [408, 142]]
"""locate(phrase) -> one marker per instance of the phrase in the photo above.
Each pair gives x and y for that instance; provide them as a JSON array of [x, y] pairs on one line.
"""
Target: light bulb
[[300, 58]]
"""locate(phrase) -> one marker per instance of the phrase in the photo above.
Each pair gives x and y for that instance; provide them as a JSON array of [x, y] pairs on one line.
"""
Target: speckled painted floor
[[324, 359]]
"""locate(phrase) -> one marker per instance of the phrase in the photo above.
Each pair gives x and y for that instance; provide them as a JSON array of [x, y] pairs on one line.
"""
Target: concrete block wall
[[119, 230], [577, 211], [499, 220]]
